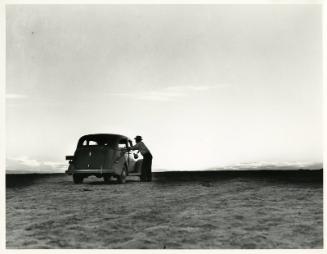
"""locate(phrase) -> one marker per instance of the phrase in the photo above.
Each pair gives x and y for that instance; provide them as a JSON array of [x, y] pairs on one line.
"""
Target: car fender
[[70, 169]]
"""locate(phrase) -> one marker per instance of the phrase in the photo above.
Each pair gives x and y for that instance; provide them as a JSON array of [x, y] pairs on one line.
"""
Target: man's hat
[[138, 138]]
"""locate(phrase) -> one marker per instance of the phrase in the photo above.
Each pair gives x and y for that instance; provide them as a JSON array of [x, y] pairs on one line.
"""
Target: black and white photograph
[[164, 126]]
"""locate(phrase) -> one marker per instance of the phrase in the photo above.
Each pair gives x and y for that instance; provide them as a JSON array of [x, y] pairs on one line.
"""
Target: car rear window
[[99, 141]]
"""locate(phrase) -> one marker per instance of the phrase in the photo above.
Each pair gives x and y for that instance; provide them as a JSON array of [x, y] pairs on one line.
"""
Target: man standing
[[146, 174]]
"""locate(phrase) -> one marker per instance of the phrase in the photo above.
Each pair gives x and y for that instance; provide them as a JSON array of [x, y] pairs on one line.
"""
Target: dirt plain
[[246, 210]]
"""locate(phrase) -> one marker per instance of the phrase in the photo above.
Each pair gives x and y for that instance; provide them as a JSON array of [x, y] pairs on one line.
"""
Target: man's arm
[[134, 147]]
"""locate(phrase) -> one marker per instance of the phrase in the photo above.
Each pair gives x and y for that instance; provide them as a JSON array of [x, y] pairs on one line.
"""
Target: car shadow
[[208, 177], [113, 182]]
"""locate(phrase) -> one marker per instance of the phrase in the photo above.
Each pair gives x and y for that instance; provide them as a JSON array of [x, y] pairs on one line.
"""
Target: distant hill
[[25, 165]]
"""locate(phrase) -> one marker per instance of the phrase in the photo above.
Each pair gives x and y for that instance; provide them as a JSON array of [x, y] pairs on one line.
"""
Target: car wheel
[[123, 175], [106, 179], [77, 178]]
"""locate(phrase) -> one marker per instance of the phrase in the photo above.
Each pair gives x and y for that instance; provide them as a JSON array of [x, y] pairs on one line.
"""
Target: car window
[[93, 143], [110, 142], [122, 143], [130, 143]]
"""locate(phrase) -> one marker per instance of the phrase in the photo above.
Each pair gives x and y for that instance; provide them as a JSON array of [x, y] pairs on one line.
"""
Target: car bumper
[[91, 171]]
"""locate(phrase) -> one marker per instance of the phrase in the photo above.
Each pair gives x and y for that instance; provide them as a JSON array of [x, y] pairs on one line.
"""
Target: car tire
[[122, 177], [77, 179], [106, 179]]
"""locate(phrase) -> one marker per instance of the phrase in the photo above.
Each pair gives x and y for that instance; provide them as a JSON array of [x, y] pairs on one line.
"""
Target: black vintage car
[[104, 155]]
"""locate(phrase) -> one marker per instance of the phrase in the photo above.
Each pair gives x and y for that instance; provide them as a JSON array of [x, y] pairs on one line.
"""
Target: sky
[[207, 86]]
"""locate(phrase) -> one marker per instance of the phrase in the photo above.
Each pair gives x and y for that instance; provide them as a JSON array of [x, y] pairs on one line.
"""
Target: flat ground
[[174, 211]]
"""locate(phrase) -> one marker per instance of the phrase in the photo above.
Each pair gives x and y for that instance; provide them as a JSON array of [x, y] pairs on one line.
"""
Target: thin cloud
[[151, 95], [15, 96], [188, 89], [170, 93], [24, 160], [29, 165]]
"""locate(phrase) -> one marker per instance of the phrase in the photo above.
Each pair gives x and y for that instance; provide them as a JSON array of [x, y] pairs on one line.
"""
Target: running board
[[134, 173]]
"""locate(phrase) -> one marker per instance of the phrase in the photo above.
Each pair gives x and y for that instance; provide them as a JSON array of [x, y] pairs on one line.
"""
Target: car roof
[[104, 135]]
